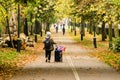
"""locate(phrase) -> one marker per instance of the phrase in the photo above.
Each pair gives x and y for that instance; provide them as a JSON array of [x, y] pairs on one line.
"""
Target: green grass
[[85, 42], [10, 60], [112, 59], [7, 56], [100, 45]]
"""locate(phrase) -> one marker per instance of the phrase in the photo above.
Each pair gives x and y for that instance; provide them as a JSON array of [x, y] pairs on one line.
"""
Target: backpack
[[48, 45]]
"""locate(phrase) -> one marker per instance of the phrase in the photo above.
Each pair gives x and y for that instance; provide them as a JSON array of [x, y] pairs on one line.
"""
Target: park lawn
[[102, 52], [87, 41], [12, 61]]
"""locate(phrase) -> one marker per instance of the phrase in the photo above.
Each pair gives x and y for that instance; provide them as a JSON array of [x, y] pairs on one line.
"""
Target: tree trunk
[[71, 27], [37, 27], [48, 27], [31, 27], [31, 30], [11, 41], [0, 32], [82, 30], [90, 27], [103, 31], [26, 27], [116, 29], [36, 30], [41, 29], [97, 28], [75, 28], [87, 26], [110, 35]]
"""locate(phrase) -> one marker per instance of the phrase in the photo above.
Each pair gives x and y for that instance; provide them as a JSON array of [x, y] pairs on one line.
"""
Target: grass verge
[[101, 52], [12, 61]]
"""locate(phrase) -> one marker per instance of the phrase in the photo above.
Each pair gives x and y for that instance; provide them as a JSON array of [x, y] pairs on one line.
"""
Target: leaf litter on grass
[[102, 51], [12, 61]]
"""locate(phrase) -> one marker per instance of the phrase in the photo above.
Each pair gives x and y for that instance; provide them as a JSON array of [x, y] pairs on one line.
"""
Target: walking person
[[48, 46], [56, 28], [63, 29]]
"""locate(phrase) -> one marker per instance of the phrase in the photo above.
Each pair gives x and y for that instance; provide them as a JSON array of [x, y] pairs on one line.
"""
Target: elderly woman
[[48, 46]]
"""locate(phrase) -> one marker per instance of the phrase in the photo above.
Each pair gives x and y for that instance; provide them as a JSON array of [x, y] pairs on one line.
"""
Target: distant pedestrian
[[63, 29], [48, 46], [56, 29]]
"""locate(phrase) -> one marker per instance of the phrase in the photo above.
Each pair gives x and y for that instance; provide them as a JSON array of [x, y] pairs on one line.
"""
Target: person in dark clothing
[[48, 46], [56, 29], [63, 29]]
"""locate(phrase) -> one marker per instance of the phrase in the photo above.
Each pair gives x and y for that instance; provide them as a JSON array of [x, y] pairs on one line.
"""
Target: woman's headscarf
[[48, 34]]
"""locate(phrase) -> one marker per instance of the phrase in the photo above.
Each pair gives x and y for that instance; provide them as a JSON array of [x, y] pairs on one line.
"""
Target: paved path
[[76, 65]]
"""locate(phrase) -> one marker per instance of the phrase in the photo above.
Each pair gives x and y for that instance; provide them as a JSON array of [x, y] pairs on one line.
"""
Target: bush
[[116, 45]]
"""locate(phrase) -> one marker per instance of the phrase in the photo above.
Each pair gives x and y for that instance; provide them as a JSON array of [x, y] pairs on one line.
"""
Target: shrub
[[116, 45]]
